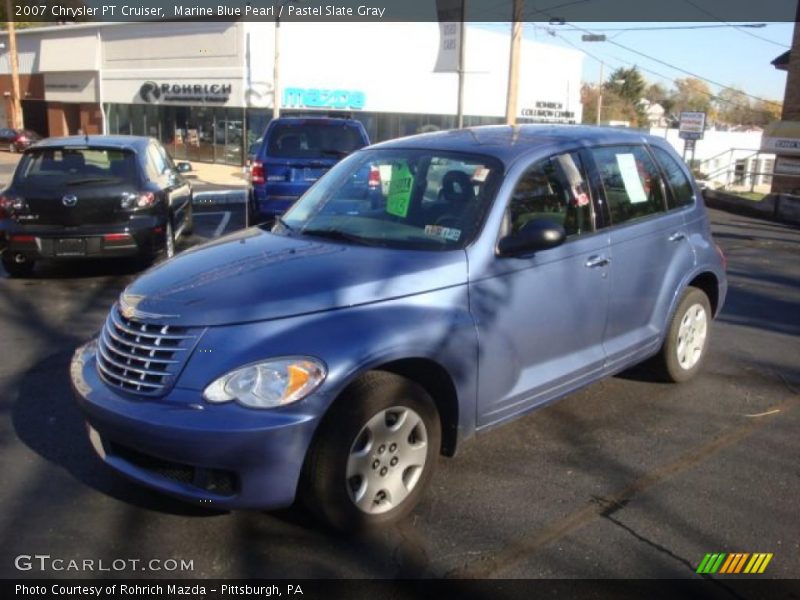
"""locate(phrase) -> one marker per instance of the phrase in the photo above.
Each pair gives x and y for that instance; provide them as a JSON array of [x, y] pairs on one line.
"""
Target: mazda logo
[[150, 91], [69, 200]]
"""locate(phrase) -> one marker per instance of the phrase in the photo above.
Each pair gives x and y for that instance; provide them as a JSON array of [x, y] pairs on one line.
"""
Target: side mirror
[[536, 234], [183, 167]]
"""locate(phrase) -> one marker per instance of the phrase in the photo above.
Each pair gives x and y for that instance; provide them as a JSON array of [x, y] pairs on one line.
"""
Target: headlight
[[269, 383]]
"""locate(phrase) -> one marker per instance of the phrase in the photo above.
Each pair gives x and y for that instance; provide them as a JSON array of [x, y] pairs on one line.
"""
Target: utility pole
[[513, 64], [600, 94], [276, 71], [461, 44], [16, 106]]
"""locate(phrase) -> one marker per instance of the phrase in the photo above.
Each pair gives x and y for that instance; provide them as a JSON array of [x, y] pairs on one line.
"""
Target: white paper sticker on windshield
[[631, 179], [480, 174], [446, 233]]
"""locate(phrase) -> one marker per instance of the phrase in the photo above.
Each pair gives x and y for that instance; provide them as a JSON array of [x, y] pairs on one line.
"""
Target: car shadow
[[47, 420]]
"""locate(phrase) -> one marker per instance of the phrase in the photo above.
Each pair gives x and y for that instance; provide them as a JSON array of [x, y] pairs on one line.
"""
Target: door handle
[[597, 261], [677, 236]]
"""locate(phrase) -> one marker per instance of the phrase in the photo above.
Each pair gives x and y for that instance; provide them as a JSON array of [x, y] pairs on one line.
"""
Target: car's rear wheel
[[685, 347], [188, 229], [374, 455], [17, 264]]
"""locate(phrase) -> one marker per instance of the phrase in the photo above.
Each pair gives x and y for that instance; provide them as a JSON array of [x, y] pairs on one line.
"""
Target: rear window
[[77, 166], [313, 140]]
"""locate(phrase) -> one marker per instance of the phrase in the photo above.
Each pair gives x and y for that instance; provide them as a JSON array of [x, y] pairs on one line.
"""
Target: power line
[[682, 27], [645, 69], [677, 68], [716, 18]]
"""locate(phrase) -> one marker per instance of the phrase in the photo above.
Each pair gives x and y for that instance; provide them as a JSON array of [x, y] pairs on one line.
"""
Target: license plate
[[70, 247]]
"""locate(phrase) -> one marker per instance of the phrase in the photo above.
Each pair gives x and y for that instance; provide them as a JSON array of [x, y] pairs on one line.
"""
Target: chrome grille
[[141, 357]]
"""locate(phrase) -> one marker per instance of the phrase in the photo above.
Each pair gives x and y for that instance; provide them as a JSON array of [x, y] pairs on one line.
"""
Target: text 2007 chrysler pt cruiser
[[470, 278]]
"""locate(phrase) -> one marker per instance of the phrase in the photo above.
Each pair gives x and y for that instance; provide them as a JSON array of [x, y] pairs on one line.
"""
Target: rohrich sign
[[548, 112], [692, 125], [153, 93]]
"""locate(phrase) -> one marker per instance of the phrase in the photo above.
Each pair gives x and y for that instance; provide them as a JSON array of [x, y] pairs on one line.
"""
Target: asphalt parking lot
[[628, 478]]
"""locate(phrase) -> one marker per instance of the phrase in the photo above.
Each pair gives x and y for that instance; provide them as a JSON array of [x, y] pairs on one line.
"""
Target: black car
[[16, 140], [94, 196]]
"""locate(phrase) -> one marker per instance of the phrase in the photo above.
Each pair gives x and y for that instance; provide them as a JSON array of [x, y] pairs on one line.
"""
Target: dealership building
[[206, 88]]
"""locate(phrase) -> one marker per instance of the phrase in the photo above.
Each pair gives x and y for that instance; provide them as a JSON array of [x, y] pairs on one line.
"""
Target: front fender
[[436, 326]]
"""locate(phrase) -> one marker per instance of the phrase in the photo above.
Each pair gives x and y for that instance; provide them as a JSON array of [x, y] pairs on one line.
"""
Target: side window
[[153, 164], [554, 188], [631, 182], [682, 192]]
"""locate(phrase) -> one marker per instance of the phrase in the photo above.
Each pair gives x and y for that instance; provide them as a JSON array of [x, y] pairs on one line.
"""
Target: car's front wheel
[[686, 345], [375, 453]]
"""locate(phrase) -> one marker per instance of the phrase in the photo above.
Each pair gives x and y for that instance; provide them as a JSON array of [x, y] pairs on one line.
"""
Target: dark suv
[[94, 196], [292, 155]]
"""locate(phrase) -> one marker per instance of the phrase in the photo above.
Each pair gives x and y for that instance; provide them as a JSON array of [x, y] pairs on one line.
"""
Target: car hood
[[254, 275]]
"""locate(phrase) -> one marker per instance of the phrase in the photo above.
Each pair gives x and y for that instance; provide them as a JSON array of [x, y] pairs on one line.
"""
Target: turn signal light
[[10, 205], [143, 200], [257, 172]]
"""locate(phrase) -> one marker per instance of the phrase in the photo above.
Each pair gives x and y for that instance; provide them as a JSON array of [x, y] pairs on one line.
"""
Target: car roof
[[508, 143], [314, 119], [135, 142]]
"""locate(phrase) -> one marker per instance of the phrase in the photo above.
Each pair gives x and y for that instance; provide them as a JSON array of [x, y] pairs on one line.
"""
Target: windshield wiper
[[284, 224], [335, 234], [90, 180]]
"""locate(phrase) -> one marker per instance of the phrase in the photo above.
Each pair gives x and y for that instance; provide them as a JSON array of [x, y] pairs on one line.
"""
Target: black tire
[[17, 265], [326, 489], [686, 344], [188, 229]]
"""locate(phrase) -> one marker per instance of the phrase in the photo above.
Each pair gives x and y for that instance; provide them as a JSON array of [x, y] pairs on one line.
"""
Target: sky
[[726, 55]]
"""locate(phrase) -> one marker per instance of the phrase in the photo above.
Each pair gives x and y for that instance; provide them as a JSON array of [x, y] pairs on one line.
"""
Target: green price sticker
[[399, 190]]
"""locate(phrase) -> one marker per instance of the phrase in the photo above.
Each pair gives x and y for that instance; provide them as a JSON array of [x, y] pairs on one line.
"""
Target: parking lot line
[[223, 223], [521, 548]]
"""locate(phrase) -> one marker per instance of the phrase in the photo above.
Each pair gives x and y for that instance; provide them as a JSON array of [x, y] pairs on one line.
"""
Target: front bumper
[[265, 206], [224, 456]]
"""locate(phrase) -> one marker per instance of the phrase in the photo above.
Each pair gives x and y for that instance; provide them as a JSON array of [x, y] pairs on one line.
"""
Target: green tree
[[733, 106], [627, 84], [694, 95], [658, 94], [766, 111]]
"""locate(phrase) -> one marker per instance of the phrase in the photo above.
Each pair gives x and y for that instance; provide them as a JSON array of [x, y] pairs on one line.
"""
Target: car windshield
[[416, 199], [313, 140], [77, 166]]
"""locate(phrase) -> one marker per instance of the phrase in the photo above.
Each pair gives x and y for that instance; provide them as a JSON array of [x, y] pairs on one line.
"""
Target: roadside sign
[[786, 166], [692, 125]]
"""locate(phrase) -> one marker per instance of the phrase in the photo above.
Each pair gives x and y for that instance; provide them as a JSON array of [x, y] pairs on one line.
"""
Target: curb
[[783, 208]]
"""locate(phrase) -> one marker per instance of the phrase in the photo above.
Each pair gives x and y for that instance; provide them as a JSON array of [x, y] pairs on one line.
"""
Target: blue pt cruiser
[[476, 275]]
